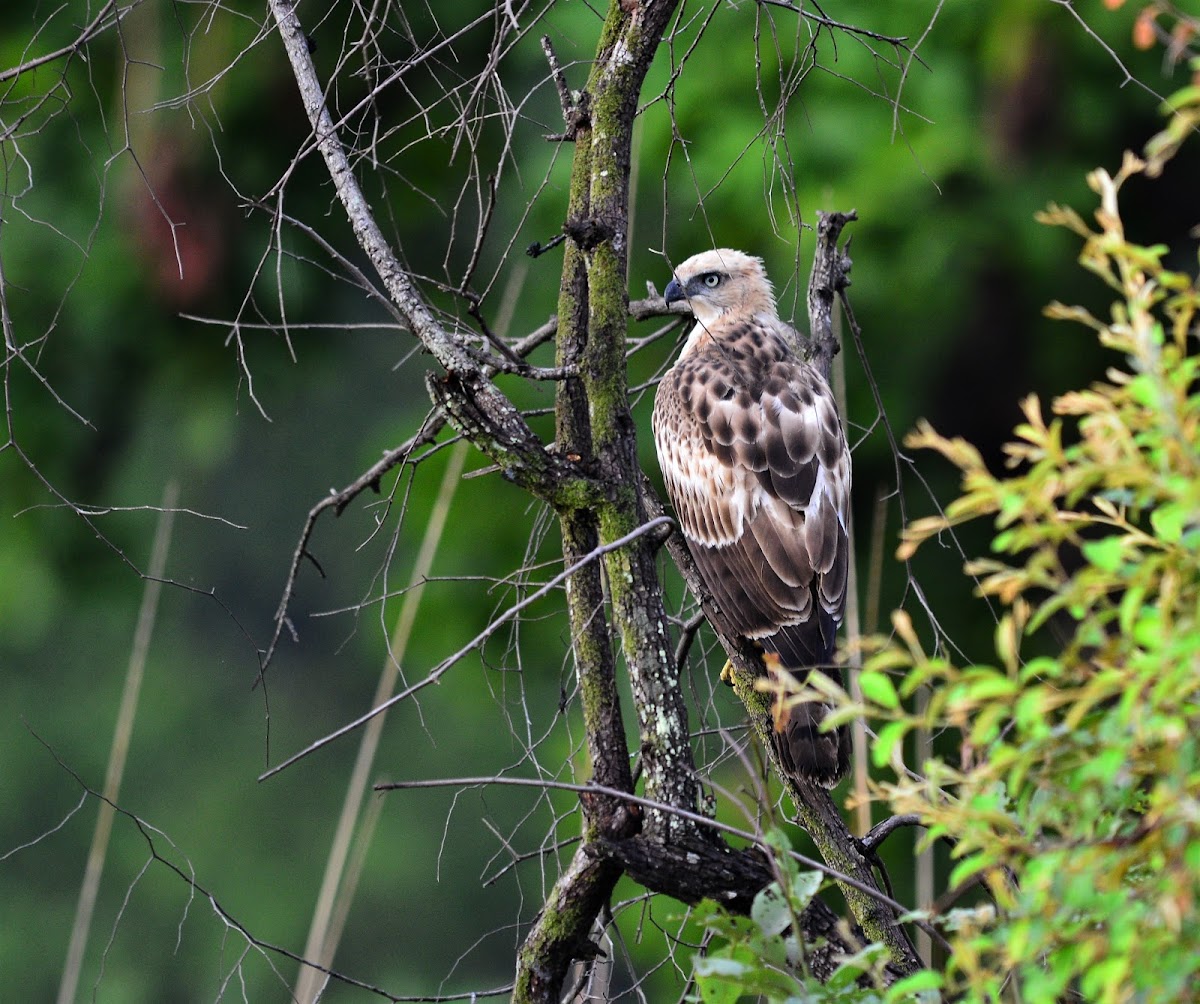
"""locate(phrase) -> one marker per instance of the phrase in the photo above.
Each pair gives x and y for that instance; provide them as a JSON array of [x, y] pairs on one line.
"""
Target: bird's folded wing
[[756, 464]]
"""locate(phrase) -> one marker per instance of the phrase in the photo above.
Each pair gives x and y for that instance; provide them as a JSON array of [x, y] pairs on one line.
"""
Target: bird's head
[[719, 282]]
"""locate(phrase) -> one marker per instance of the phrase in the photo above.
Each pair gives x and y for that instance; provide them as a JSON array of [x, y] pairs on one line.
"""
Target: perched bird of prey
[[756, 464]]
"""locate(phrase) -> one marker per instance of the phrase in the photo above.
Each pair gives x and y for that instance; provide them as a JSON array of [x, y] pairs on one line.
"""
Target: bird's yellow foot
[[727, 673]]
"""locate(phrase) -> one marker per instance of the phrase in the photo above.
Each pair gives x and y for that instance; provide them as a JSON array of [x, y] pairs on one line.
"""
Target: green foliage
[[762, 955], [1074, 801], [203, 100]]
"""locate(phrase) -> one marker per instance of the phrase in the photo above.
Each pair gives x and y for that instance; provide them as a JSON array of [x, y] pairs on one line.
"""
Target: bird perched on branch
[[757, 467]]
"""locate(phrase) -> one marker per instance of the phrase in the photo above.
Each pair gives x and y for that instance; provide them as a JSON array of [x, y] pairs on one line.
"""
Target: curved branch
[[96, 27], [881, 831], [442, 345], [467, 393]]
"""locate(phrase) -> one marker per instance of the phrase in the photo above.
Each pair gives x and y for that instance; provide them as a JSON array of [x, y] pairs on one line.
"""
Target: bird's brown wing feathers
[[756, 464]]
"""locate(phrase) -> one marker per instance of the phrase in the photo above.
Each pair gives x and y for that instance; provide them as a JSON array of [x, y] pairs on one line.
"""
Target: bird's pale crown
[[722, 281]]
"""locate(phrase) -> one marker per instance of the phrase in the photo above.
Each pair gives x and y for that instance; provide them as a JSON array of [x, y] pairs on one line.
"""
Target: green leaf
[[720, 979], [1148, 628], [891, 735], [968, 867], [770, 910], [923, 986], [726, 976], [1032, 709], [853, 966], [879, 689], [720, 966], [1105, 554], [804, 887], [1169, 520], [888, 658], [985, 684], [1131, 606], [785, 864], [1104, 975], [1181, 98]]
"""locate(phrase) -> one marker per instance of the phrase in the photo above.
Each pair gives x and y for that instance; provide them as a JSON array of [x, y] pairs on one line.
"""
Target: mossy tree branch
[[593, 481], [593, 423], [626, 48]]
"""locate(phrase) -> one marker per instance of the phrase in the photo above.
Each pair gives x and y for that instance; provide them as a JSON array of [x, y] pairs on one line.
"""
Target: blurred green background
[[167, 150]]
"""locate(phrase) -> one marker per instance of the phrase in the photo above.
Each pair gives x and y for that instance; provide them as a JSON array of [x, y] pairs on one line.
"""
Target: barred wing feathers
[[756, 464]]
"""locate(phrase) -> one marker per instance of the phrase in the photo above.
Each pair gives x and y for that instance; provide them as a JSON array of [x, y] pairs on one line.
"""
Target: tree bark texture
[[592, 480]]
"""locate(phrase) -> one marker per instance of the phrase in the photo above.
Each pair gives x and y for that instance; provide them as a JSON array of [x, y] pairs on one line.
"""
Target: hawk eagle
[[757, 467]]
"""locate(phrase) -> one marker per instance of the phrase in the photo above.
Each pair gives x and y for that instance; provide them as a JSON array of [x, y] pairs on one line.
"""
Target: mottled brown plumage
[[756, 464]]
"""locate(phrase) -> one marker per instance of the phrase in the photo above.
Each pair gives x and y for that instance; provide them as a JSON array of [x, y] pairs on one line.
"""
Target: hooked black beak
[[673, 293]]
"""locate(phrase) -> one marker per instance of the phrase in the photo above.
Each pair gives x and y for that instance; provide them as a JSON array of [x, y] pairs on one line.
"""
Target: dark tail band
[[808, 753]]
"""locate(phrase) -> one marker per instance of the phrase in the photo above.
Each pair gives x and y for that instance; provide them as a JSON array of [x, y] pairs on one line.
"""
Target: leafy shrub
[[1075, 800]]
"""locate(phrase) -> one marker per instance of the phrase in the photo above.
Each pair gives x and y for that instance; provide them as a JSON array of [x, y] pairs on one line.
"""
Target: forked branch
[[467, 392], [593, 481]]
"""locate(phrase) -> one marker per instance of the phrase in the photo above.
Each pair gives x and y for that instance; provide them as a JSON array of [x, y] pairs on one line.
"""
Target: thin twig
[[431, 427], [337, 501], [437, 672], [321, 944], [899, 41], [442, 344], [687, 635], [85, 36], [559, 78], [150, 833]]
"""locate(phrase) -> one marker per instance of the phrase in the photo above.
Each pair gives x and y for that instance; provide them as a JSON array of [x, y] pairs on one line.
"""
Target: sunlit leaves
[[1074, 797], [878, 688], [761, 954]]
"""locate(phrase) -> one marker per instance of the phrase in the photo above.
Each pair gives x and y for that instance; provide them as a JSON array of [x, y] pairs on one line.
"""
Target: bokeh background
[[141, 179]]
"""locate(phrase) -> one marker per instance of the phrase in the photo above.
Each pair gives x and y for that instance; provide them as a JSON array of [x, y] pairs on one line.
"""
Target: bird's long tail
[[804, 749]]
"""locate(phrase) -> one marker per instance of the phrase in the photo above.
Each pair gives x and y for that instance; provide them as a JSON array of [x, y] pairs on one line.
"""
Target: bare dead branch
[[1126, 76], [337, 501], [440, 343], [881, 831], [186, 873], [108, 17], [560, 79], [825, 22], [370, 479], [537, 248], [466, 393], [830, 277]]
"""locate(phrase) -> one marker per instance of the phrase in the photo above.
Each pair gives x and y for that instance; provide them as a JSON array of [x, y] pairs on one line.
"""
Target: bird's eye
[[712, 280]]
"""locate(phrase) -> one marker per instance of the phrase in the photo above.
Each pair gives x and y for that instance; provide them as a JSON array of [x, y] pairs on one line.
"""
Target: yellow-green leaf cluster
[[1073, 797]]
